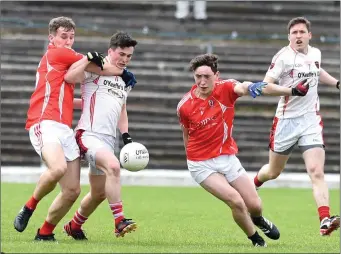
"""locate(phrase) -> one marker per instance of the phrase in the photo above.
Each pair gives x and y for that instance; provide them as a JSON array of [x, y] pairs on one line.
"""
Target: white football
[[134, 156]]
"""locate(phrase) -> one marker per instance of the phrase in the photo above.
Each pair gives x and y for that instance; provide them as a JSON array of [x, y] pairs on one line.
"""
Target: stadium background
[[244, 34]]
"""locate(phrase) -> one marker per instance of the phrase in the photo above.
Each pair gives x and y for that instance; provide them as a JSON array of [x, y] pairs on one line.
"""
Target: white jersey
[[102, 101], [290, 67]]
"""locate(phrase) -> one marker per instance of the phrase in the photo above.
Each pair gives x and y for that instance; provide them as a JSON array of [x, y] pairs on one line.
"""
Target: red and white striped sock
[[78, 220], [117, 211]]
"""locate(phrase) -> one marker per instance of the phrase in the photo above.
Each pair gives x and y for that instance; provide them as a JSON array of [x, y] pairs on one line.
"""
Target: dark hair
[[298, 20], [122, 40], [65, 22], [210, 60]]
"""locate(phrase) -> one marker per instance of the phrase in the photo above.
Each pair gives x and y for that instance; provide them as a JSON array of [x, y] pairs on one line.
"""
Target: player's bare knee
[[113, 170], [236, 204], [255, 207], [274, 174], [58, 171], [98, 196], [316, 173], [71, 193]]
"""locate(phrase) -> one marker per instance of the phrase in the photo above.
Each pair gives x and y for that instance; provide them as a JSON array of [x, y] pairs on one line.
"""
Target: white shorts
[[305, 130], [89, 143], [48, 131], [228, 165]]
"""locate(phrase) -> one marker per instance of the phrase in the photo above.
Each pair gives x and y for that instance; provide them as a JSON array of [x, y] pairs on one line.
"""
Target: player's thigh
[[47, 134], [218, 186], [98, 152], [48, 145], [284, 135], [247, 191], [312, 133], [229, 166], [54, 158], [71, 180], [277, 162], [107, 161], [200, 170]]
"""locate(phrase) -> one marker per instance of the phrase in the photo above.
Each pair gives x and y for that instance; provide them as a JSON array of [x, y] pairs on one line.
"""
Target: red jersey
[[53, 97], [209, 122]]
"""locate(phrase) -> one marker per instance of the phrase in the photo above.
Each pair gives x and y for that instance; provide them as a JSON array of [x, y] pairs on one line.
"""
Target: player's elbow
[[72, 79]]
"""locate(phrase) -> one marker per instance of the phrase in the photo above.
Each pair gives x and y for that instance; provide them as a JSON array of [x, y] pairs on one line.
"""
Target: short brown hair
[[122, 40], [210, 60], [65, 22], [298, 20]]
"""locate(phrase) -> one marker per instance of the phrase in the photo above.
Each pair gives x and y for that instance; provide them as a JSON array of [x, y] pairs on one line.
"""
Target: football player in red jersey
[[206, 115]]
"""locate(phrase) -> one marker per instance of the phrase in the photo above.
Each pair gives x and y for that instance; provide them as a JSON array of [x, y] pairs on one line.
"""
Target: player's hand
[[128, 78], [301, 89], [96, 58], [255, 89], [126, 138]]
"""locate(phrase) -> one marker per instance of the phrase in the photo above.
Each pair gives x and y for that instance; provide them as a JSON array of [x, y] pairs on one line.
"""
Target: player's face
[[204, 78], [63, 38], [120, 57], [299, 37]]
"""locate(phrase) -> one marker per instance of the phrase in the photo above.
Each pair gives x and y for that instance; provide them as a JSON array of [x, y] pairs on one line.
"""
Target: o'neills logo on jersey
[[203, 123], [115, 85], [317, 65], [310, 74], [271, 65]]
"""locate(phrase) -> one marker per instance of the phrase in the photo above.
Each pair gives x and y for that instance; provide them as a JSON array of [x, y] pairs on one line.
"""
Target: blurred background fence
[[244, 34]]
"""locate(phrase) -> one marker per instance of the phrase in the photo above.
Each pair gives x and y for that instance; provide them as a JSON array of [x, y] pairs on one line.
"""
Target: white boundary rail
[[164, 178]]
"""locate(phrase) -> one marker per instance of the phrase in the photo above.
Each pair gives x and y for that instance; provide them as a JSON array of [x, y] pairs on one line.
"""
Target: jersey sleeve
[[64, 57], [183, 120], [276, 67], [228, 92]]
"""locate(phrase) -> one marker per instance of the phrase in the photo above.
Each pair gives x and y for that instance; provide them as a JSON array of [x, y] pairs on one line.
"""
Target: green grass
[[175, 220]]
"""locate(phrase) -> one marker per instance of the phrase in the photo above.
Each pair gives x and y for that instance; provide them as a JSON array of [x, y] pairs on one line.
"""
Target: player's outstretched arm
[[108, 70], [301, 89], [75, 74], [327, 79], [249, 88]]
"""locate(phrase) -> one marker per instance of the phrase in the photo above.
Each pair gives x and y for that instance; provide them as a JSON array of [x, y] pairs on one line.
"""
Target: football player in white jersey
[[103, 106], [297, 119]]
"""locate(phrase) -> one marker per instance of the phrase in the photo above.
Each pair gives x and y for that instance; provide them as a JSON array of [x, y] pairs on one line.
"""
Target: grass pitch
[[172, 220]]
